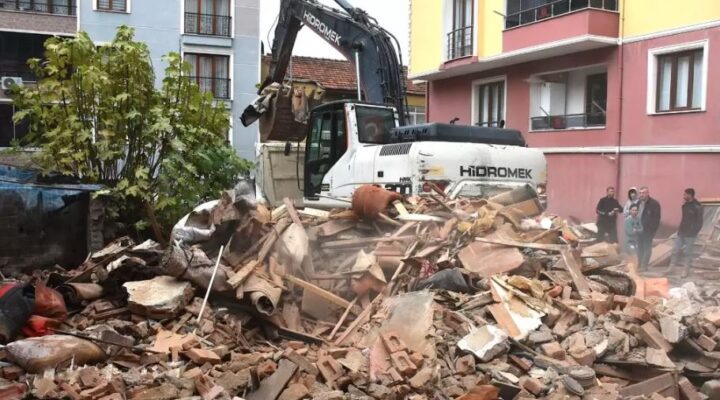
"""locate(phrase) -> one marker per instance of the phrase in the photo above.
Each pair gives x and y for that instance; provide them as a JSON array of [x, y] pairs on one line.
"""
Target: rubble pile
[[396, 298]]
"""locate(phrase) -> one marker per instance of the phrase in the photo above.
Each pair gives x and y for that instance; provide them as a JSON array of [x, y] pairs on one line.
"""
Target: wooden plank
[[487, 260], [331, 297], [575, 271], [271, 387], [243, 271], [335, 226], [292, 211], [514, 243], [661, 253], [664, 384], [400, 207], [362, 242], [504, 319]]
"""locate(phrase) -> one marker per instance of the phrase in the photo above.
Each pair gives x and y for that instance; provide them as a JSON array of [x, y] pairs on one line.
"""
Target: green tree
[[96, 115]]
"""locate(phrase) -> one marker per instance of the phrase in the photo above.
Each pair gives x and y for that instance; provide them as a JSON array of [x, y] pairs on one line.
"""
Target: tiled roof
[[333, 74]]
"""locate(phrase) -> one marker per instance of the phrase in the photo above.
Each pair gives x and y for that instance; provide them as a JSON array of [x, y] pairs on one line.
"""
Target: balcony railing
[[43, 7], [568, 121], [553, 9], [460, 43], [219, 87], [207, 24]]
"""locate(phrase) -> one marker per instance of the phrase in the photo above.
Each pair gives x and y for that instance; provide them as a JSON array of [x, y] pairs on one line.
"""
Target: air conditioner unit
[[9, 81]]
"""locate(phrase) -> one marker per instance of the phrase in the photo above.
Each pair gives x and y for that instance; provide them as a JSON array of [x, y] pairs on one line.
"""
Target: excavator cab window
[[374, 123], [327, 142]]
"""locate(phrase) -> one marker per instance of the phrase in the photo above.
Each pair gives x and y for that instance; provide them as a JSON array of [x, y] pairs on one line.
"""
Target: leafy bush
[[97, 116]]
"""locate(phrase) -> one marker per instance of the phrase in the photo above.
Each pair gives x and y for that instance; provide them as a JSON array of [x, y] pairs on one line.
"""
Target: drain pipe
[[621, 99], [357, 73]]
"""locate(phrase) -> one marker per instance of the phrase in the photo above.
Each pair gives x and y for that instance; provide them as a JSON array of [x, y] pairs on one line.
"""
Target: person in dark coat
[[650, 219], [607, 211], [690, 225]]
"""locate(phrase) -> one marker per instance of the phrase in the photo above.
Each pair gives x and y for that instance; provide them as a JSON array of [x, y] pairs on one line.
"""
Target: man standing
[[607, 210], [690, 225], [650, 219]]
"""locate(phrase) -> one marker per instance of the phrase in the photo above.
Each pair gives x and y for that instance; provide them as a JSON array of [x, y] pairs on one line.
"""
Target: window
[[595, 99], [460, 38], [490, 103], [416, 115], [573, 99], [208, 17], [679, 81], [112, 5], [521, 12], [63, 7], [211, 73], [374, 123]]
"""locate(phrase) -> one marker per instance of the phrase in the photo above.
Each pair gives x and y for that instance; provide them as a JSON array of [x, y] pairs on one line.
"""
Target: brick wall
[[36, 22]]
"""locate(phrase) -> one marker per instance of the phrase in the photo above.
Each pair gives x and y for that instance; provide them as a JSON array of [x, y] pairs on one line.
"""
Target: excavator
[[349, 143]]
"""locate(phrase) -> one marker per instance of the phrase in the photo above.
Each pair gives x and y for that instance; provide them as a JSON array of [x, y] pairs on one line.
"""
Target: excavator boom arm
[[350, 32]]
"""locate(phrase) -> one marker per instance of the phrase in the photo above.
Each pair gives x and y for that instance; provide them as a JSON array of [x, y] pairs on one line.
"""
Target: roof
[[334, 74]]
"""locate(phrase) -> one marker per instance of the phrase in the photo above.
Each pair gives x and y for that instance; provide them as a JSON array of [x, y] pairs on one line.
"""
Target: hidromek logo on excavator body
[[322, 28]]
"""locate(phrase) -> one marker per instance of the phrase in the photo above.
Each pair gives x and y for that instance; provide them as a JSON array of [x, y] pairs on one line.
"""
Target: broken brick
[[202, 356], [532, 385], [330, 370], [652, 337], [393, 343], [706, 342], [401, 360], [554, 350], [465, 365]]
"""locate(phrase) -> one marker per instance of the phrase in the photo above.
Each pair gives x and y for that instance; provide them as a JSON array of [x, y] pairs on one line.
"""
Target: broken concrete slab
[[158, 298], [485, 343]]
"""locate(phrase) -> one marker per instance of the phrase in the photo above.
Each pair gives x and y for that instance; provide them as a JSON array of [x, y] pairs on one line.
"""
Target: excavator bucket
[[286, 116]]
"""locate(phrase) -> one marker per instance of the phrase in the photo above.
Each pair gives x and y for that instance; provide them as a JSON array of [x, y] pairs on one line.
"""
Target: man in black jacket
[[690, 225], [607, 211], [650, 220]]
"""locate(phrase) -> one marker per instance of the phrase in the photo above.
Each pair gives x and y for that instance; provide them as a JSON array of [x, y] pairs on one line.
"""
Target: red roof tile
[[333, 74]]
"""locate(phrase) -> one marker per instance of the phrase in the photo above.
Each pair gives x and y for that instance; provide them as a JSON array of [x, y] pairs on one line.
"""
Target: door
[[326, 143]]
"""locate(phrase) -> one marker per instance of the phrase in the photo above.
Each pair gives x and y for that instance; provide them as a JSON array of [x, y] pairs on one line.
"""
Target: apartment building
[[615, 92], [219, 38], [24, 27]]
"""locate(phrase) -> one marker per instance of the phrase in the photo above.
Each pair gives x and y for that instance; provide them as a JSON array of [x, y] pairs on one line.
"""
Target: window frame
[[128, 7], [654, 56], [195, 73], [215, 15], [600, 68], [451, 51], [475, 97], [414, 112]]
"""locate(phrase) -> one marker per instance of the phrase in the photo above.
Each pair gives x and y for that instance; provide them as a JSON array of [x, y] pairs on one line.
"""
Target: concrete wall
[[52, 24], [160, 23]]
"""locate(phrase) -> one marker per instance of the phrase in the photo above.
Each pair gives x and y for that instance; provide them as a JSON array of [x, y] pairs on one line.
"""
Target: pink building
[[608, 108]]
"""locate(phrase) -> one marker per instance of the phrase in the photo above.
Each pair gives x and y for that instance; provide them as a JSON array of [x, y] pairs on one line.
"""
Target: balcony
[[568, 121], [208, 24], [559, 22], [42, 7], [219, 87], [460, 43]]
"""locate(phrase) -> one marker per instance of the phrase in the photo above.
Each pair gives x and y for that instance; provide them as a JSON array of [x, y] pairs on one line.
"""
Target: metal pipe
[[357, 73]]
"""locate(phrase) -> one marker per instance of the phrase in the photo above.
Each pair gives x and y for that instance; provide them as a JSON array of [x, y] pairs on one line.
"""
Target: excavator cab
[[336, 127], [326, 142]]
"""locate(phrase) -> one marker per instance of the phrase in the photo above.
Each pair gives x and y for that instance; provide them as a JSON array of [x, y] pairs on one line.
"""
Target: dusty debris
[[475, 299]]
